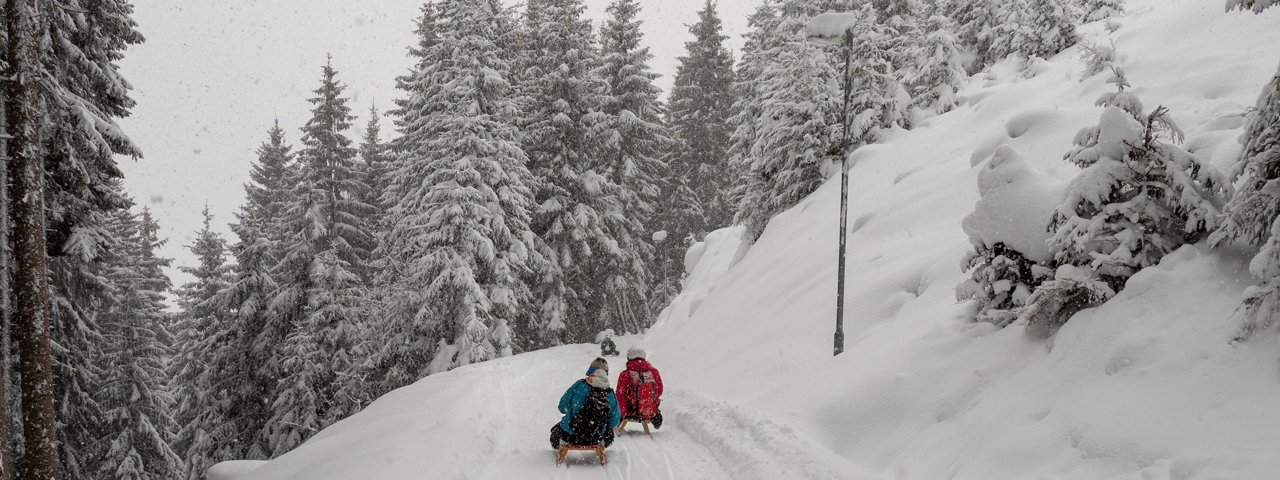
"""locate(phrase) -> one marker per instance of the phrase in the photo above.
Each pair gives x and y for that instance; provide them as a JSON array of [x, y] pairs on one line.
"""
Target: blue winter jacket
[[572, 400]]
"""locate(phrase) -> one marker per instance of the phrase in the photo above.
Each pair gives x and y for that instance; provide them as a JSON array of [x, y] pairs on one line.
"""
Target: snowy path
[[491, 421], [522, 451]]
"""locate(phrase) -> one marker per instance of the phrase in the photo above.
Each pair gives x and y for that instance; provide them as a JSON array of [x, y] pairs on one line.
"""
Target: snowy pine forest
[[533, 185]]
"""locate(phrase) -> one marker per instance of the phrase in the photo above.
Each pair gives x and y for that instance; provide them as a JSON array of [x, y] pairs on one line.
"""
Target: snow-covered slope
[[1144, 387]]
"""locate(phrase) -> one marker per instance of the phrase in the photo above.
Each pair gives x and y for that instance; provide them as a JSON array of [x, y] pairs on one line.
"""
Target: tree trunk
[[31, 282], [6, 454]]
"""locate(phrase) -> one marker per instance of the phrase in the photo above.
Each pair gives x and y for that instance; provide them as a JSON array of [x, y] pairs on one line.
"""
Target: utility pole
[[827, 28], [844, 189], [31, 282]]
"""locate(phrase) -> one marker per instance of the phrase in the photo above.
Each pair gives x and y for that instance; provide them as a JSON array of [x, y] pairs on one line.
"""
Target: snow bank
[[705, 262]]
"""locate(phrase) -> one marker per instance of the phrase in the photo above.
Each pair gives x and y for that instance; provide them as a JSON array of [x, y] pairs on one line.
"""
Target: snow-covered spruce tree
[[139, 429], [1257, 6], [1010, 255], [637, 139], [384, 371], [511, 34], [1095, 10], [402, 336], [760, 41], [698, 186], [939, 73], [318, 278], [874, 103], [1253, 214], [266, 196], [981, 30], [1000, 281], [1139, 197], [1254, 207], [255, 366], [203, 359], [1043, 27], [799, 102], [407, 115], [562, 101], [462, 229], [375, 167], [907, 52]]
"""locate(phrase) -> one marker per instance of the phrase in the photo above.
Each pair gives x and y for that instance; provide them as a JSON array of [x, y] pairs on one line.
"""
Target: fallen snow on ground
[[492, 420], [1145, 387]]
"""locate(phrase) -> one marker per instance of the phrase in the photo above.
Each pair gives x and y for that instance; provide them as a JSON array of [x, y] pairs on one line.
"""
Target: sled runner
[[564, 450], [643, 421]]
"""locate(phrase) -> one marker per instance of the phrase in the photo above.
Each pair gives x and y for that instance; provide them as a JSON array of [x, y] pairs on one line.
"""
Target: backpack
[[593, 417], [644, 394]]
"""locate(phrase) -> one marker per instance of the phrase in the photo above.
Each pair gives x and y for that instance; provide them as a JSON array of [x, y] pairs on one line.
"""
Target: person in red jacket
[[639, 377]]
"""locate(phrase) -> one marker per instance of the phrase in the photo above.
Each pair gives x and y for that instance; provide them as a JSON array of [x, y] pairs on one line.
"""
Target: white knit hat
[[598, 378], [634, 353]]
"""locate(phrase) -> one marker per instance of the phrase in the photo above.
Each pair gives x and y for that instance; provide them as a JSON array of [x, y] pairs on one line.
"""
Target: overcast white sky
[[213, 75]]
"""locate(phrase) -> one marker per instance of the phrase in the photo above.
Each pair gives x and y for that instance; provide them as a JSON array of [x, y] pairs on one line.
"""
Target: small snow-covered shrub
[[1139, 197], [1001, 281], [1007, 231], [1096, 58], [1072, 289]]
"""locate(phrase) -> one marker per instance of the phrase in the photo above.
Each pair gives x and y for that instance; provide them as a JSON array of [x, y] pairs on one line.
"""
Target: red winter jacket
[[624, 381]]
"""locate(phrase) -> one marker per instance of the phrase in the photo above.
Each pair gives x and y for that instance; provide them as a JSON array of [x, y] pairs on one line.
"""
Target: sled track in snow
[[748, 445]]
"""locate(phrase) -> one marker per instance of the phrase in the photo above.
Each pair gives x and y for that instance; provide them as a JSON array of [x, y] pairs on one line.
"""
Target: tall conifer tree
[[138, 428], [461, 229], [319, 276], [698, 184], [637, 139], [577, 204], [799, 130], [257, 336], [204, 358]]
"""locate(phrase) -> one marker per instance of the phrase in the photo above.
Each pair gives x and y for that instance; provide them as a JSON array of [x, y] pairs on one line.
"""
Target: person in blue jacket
[[590, 410]]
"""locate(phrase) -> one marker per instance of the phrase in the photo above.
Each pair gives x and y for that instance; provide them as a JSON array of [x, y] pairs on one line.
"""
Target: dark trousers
[[559, 436], [656, 421]]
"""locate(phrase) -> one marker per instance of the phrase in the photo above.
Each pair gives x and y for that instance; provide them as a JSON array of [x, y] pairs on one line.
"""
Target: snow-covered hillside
[[1147, 386]]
